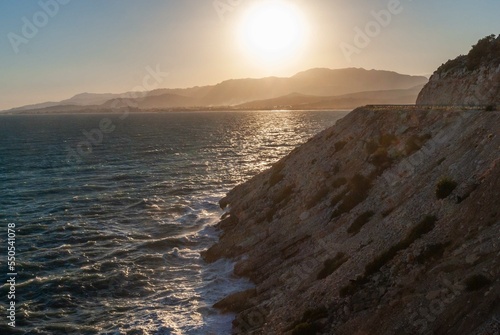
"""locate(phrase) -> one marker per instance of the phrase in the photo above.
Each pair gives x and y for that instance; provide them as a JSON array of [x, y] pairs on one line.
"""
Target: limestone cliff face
[[461, 87], [386, 223], [470, 80]]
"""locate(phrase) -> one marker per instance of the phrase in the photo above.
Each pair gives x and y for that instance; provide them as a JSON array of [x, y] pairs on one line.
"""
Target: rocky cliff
[[386, 223], [471, 80], [461, 87]]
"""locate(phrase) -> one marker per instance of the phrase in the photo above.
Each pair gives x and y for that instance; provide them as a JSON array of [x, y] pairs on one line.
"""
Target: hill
[[230, 93], [319, 82], [386, 223], [347, 101], [470, 80]]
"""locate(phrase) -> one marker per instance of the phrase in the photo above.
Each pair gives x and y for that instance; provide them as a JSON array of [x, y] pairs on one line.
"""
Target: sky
[[51, 50]]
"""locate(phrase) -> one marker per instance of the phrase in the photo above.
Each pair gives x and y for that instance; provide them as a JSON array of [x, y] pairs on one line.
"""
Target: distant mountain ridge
[[352, 100], [325, 84], [385, 223], [82, 99]]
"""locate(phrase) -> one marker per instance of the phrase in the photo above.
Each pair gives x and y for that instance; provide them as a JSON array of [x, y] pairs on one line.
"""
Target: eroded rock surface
[[347, 236], [461, 87], [470, 80]]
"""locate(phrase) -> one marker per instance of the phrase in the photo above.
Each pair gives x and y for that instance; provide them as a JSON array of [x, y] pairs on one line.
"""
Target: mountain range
[[312, 89]]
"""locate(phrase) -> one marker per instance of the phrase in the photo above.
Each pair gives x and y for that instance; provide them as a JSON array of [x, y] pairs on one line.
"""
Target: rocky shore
[[386, 223]]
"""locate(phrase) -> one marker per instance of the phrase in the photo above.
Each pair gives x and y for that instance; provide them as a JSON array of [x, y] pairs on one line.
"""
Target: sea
[[103, 216]]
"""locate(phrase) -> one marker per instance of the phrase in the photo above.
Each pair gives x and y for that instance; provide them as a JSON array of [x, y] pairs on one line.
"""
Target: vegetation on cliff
[[386, 223], [486, 51], [470, 80]]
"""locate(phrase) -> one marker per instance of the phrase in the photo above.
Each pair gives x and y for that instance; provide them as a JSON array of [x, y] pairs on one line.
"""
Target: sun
[[272, 30]]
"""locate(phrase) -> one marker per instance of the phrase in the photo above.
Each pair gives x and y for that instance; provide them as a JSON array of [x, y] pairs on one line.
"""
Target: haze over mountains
[[312, 89]]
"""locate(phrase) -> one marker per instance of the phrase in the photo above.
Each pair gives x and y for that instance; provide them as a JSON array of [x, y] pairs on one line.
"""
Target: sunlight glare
[[272, 30]]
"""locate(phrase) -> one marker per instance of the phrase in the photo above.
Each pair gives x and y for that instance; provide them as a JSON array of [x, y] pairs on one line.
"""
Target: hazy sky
[[107, 46]]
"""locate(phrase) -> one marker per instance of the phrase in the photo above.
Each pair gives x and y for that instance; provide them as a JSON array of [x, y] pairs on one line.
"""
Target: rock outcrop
[[471, 80], [386, 223]]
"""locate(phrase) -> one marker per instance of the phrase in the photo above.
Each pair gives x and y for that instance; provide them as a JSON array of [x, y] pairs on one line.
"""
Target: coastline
[[232, 109], [174, 110], [288, 228]]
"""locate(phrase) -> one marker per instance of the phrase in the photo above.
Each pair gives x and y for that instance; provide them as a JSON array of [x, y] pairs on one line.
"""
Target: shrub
[[275, 178], [480, 51], [381, 159], [426, 225], [340, 145], [388, 211], [338, 198], [440, 161], [351, 200], [458, 62], [387, 139], [359, 186], [486, 50], [270, 214], [360, 221], [305, 328], [414, 143], [315, 314], [433, 251], [331, 265], [352, 287], [276, 175], [347, 290], [336, 168], [477, 282], [371, 147], [360, 183], [339, 182], [322, 193], [444, 187], [378, 262], [284, 195]]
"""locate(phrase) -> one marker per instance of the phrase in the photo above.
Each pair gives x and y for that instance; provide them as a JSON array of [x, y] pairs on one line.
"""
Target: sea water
[[111, 214]]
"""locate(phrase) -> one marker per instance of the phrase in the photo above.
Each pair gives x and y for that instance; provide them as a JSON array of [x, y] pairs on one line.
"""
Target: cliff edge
[[386, 223], [470, 80]]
